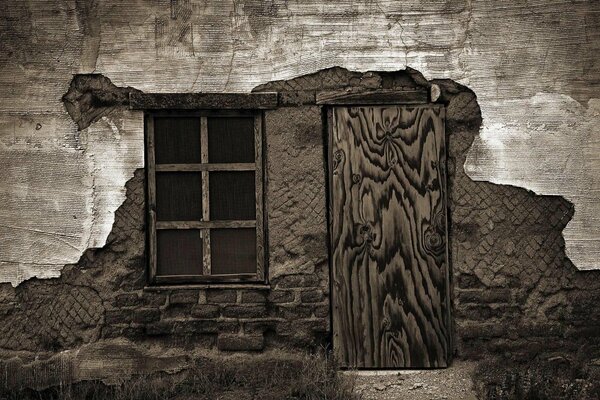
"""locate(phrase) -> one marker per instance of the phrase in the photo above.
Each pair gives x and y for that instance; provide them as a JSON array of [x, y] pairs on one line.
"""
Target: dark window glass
[[178, 196], [231, 140], [177, 140], [179, 252], [233, 251], [232, 195]]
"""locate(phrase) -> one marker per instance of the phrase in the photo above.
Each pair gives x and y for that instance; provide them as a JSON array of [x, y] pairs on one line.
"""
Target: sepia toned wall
[[533, 66], [72, 180]]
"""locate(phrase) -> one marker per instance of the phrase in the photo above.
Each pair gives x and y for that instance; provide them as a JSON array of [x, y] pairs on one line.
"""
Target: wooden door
[[389, 238]]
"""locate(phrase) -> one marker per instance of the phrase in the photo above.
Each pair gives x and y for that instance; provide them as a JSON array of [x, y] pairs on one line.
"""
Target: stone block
[[113, 317], [205, 311], [221, 296], [183, 297], [244, 311], [195, 326], [144, 316], [127, 300], [233, 342], [252, 296], [281, 296], [311, 296]]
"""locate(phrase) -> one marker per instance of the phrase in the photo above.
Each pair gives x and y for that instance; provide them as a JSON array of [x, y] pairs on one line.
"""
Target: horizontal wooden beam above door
[[372, 97], [207, 101]]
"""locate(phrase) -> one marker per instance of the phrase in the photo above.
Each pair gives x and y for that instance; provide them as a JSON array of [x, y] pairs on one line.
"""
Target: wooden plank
[[151, 178], [372, 97], [205, 196], [205, 167], [186, 279], [216, 285], [204, 224], [260, 248], [389, 239], [192, 101]]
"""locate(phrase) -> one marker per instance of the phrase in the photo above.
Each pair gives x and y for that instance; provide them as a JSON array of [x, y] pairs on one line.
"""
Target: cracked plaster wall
[[533, 65]]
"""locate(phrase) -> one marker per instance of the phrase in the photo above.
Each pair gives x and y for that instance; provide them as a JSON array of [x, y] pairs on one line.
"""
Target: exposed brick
[[231, 342], [468, 281], [220, 296], [111, 331], [492, 295], [160, 328], [178, 311], [261, 325], [195, 326], [118, 316], [244, 311], [322, 311], [146, 315], [540, 330], [184, 297], [281, 296], [253, 296], [229, 326], [483, 312], [298, 281], [205, 311], [481, 330], [292, 312], [154, 298], [311, 296], [127, 300]]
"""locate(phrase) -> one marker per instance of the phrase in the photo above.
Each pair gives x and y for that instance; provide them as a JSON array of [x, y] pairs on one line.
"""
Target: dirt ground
[[441, 384]]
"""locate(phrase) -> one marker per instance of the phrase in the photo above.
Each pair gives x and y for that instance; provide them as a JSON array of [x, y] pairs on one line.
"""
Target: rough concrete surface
[[57, 198]]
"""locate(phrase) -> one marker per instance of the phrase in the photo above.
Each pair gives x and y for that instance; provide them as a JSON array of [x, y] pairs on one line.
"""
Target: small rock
[[416, 386], [380, 387]]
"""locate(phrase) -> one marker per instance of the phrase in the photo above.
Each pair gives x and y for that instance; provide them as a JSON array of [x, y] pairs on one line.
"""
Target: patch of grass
[[265, 377], [557, 379]]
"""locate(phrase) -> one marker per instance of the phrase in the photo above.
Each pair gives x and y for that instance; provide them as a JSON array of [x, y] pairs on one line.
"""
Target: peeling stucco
[[60, 186], [553, 149]]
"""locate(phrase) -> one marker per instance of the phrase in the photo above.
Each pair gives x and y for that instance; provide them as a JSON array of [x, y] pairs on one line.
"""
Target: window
[[205, 196]]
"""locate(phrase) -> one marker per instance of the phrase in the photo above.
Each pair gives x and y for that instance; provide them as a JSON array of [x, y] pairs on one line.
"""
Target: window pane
[[177, 140], [233, 251], [232, 195], [178, 196], [179, 252], [231, 140]]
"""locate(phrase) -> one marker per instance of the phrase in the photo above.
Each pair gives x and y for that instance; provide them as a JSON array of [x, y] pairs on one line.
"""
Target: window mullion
[[258, 150], [206, 269]]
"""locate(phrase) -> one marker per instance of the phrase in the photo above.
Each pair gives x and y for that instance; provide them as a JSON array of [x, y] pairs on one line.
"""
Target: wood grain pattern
[[379, 96], [258, 176], [205, 224], [151, 178], [389, 239], [195, 101], [205, 167], [206, 261]]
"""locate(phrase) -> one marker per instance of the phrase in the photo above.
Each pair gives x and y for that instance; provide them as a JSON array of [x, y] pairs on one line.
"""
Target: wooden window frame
[[205, 224]]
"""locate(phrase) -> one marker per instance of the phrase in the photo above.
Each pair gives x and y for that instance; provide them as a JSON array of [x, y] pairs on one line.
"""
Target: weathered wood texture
[[389, 241], [380, 96], [195, 101]]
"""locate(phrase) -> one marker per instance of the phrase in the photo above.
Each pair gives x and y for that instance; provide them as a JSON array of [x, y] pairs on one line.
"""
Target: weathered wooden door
[[389, 237]]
